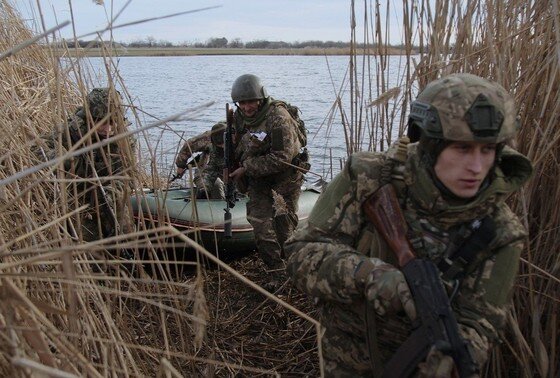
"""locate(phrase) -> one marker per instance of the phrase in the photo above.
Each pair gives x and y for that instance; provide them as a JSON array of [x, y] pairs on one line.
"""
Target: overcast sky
[[249, 20]]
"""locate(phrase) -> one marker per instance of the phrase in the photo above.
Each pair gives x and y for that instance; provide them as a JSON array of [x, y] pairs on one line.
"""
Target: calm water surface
[[163, 86]]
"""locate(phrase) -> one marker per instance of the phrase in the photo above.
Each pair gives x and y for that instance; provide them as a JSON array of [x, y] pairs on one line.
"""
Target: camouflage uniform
[[210, 166], [265, 143], [325, 259], [108, 200], [213, 173], [200, 143]]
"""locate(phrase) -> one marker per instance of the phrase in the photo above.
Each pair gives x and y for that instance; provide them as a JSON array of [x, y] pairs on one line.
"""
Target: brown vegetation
[[70, 307]]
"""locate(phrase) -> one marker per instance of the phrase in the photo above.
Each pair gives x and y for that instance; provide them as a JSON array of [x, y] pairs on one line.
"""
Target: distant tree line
[[219, 43]]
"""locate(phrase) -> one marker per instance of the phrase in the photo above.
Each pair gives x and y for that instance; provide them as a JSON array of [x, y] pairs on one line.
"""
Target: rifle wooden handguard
[[383, 210]]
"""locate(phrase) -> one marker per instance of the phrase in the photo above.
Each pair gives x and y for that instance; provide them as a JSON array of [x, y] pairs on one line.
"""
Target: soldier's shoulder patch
[[365, 168], [508, 226]]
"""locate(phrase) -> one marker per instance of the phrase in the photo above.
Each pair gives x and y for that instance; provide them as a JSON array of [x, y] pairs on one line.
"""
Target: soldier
[[457, 176], [209, 164], [107, 191], [267, 138], [200, 144]]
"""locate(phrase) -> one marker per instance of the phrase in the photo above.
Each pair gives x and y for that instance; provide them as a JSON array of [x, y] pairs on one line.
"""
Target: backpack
[[294, 112]]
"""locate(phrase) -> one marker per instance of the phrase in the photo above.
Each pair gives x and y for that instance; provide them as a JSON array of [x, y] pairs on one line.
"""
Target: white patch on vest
[[259, 135]]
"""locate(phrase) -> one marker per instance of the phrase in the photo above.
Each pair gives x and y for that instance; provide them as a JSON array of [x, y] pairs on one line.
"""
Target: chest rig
[[456, 251]]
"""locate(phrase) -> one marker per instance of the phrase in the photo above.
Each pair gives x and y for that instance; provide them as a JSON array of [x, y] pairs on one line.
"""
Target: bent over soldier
[[210, 146], [209, 165], [267, 143], [451, 186], [101, 173]]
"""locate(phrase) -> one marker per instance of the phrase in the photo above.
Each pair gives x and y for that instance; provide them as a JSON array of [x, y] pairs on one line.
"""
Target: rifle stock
[[435, 324], [228, 160]]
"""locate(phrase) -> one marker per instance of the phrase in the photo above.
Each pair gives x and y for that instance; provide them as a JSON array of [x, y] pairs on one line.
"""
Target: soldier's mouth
[[470, 183]]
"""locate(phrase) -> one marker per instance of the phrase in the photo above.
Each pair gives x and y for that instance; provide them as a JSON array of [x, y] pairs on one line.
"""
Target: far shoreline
[[196, 51]]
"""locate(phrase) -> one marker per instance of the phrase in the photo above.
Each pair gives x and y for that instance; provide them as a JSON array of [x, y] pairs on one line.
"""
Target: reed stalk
[[71, 308]]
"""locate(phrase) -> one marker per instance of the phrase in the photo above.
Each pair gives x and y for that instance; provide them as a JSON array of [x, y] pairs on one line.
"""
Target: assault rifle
[[228, 168], [435, 324]]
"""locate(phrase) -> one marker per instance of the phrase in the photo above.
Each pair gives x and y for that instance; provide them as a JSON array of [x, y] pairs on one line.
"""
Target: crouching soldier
[[101, 174], [450, 188]]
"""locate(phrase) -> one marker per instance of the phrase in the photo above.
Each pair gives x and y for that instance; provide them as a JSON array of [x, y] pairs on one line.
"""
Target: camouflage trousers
[[344, 355], [344, 343], [273, 214], [215, 189], [206, 186], [106, 217]]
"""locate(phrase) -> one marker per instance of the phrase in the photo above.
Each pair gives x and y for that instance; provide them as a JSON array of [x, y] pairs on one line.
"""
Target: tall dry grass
[[69, 307], [516, 43], [74, 308]]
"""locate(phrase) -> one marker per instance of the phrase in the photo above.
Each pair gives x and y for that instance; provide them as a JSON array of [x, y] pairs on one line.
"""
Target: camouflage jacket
[[216, 164], [106, 160], [267, 143], [323, 257], [101, 162], [199, 143]]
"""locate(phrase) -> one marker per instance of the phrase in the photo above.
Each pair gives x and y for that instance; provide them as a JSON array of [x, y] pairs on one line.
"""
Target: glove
[[437, 365], [387, 289]]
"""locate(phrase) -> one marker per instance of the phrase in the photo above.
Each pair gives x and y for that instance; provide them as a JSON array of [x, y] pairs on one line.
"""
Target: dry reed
[[75, 308], [71, 307]]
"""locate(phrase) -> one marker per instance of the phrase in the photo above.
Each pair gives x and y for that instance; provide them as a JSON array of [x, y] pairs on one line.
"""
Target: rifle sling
[[372, 342], [466, 247], [409, 354]]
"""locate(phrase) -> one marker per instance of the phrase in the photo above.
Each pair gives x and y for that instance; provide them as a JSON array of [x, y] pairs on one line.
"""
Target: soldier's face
[[463, 166], [105, 130], [249, 107]]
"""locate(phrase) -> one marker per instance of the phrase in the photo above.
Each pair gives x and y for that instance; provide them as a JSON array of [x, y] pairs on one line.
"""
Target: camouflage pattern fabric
[[200, 143], [108, 199], [264, 147], [324, 257], [104, 104], [213, 172], [450, 101], [387, 290], [437, 365]]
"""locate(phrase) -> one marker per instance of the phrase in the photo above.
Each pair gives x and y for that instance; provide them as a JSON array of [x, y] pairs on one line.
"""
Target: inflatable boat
[[203, 219]]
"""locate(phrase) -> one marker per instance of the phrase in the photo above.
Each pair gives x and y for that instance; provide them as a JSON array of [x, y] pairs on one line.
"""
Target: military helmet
[[99, 100], [248, 87], [217, 133], [464, 107]]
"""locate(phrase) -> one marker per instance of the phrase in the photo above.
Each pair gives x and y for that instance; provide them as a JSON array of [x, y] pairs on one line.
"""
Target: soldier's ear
[[414, 132]]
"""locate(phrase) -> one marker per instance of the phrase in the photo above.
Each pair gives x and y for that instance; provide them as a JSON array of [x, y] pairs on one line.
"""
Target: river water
[[163, 86]]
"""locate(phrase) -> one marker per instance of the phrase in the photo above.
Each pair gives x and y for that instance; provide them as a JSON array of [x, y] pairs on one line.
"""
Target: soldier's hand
[[437, 365], [387, 290], [237, 174]]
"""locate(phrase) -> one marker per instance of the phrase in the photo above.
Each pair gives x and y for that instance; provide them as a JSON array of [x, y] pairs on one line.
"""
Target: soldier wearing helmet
[[452, 185], [101, 117], [208, 164], [268, 142]]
